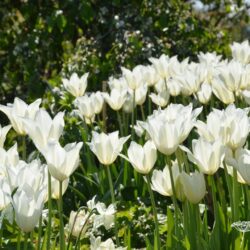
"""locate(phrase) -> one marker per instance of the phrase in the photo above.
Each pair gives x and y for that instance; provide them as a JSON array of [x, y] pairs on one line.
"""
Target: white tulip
[[106, 146], [31, 174], [3, 132], [170, 127], [5, 193], [161, 65], [208, 156], [161, 99], [241, 52], [209, 58], [62, 162], [193, 186], [150, 76], [141, 94], [7, 159], [19, 110], [98, 101], [43, 128], [105, 216], [55, 187], [241, 162], [221, 91], [86, 107], [161, 181], [134, 78], [232, 128], [75, 85], [77, 221], [119, 84], [128, 106], [116, 98], [28, 206], [205, 93], [97, 244], [142, 158]]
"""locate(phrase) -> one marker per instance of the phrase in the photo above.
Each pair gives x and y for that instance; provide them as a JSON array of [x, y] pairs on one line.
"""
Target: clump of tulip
[[177, 143]]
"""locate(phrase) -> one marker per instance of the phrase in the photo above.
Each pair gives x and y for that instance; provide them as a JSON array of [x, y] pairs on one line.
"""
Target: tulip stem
[[26, 236], [19, 239], [133, 116], [120, 122], [1, 236], [49, 211], [39, 233], [158, 246], [113, 201], [60, 210], [24, 147]]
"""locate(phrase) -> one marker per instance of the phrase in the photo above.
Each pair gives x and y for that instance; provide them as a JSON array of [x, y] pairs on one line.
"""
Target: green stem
[[60, 210], [19, 239], [236, 196], [174, 198], [50, 211], [24, 147], [111, 187], [133, 116], [242, 241], [25, 247], [39, 233], [142, 113], [158, 246], [1, 236], [120, 122], [83, 226], [149, 102]]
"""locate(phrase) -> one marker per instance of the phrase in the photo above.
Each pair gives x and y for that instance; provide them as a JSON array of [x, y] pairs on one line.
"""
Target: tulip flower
[[75, 85], [150, 76], [98, 100], [76, 223], [193, 186], [116, 98], [106, 146], [119, 84], [170, 127], [3, 132], [105, 216], [161, 181], [55, 186], [205, 93], [86, 108], [161, 65], [142, 158], [19, 110], [31, 174], [62, 162], [43, 128], [232, 128], [28, 206], [134, 78], [97, 244], [8, 158], [140, 94], [208, 156], [209, 58], [222, 92], [5, 193], [241, 162], [241, 52], [161, 99]]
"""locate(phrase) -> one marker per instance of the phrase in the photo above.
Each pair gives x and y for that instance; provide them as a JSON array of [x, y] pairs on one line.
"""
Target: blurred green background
[[43, 40]]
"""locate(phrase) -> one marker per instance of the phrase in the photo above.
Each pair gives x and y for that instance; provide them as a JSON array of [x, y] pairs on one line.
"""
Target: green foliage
[[40, 40]]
